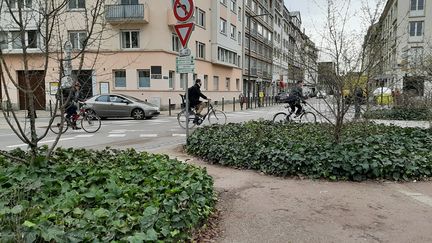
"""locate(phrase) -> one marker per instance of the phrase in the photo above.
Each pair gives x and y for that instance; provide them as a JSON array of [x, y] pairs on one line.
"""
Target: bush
[[400, 113], [102, 196], [367, 151]]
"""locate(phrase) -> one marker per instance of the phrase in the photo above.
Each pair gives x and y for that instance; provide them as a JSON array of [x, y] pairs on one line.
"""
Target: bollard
[[255, 101], [169, 106], [223, 101], [50, 107], [234, 103]]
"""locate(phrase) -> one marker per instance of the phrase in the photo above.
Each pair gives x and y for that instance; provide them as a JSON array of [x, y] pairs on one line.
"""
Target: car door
[[102, 106], [119, 106]]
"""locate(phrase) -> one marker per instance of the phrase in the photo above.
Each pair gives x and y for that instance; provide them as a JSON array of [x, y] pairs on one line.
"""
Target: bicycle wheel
[[217, 117], [90, 123], [281, 117], [56, 125], [181, 118], [308, 117]]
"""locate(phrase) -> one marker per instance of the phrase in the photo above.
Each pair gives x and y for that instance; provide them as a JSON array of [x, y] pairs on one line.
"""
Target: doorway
[[37, 83]]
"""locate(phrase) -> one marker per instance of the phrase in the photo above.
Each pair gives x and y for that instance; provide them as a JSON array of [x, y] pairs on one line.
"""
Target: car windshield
[[137, 100]]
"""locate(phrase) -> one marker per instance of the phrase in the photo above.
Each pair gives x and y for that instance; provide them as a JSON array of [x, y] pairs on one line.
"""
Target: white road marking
[[6, 135], [148, 135], [179, 135], [118, 131], [42, 142], [85, 136], [418, 196], [117, 135]]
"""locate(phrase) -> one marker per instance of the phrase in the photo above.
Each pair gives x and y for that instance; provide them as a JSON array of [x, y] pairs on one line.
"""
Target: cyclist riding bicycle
[[70, 97], [194, 99], [296, 96]]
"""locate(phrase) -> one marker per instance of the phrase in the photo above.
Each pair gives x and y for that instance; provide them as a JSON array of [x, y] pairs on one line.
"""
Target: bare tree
[[35, 32], [348, 67]]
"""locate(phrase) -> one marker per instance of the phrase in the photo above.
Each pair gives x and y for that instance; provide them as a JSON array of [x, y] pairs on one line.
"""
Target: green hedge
[[399, 113], [367, 151], [102, 196]]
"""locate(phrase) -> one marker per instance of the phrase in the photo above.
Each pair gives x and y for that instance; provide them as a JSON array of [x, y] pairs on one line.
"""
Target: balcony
[[134, 13]]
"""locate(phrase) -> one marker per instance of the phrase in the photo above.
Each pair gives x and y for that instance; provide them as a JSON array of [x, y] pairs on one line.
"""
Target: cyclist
[[296, 96], [194, 99], [71, 103]]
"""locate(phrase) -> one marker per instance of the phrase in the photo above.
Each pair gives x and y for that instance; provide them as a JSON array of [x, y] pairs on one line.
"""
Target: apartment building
[[399, 44], [137, 53], [258, 51]]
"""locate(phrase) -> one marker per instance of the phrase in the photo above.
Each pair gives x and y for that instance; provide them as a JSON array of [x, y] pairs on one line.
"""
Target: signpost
[[185, 63]]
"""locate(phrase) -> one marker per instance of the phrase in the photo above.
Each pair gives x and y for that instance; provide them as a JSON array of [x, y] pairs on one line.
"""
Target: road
[[142, 135]]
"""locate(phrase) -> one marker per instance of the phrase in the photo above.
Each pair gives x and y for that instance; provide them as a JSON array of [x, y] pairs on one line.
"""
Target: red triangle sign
[[184, 32]]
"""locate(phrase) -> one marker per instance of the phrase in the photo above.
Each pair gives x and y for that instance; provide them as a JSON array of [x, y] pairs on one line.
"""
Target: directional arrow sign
[[183, 10], [184, 32]]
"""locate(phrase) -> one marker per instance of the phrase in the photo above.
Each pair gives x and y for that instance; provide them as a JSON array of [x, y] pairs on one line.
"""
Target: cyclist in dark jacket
[[296, 96], [194, 97], [70, 99]]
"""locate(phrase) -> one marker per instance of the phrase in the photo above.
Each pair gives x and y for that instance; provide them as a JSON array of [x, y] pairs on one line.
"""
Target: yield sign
[[183, 10], [184, 32]]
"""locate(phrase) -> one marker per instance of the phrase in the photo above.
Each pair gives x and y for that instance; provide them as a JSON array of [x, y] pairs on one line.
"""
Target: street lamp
[[249, 51]]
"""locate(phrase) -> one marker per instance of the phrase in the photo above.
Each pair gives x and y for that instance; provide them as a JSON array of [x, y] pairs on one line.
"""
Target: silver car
[[117, 105]]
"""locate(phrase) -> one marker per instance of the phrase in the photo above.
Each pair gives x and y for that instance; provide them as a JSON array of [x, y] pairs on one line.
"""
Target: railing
[[124, 12]]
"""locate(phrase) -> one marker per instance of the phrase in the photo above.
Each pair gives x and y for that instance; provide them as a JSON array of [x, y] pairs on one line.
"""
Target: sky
[[313, 14]]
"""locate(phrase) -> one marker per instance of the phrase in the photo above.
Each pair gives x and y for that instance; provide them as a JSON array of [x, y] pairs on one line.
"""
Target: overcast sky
[[313, 13]]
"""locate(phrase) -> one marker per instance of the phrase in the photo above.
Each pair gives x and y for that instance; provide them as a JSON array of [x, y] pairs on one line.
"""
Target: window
[[200, 19], [227, 56], [103, 98], [78, 39], [200, 50], [14, 4], [175, 40], [205, 82], [74, 4], [417, 5], [227, 84], [3, 40], [171, 79], [120, 79], [233, 32], [30, 39], [156, 72], [239, 14], [416, 28], [239, 37], [233, 5], [130, 39], [144, 78], [223, 2], [237, 84], [215, 83], [223, 26], [129, 2], [254, 6]]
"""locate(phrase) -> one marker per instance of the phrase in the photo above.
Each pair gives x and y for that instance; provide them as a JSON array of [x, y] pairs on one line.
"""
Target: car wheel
[[138, 114]]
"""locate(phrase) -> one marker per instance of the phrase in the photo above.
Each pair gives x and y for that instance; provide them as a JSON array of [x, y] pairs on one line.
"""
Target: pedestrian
[[242, 100], [358, 100]]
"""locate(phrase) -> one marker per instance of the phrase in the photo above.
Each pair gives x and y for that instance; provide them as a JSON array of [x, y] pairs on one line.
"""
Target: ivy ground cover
[[102, 196], [368, 151]]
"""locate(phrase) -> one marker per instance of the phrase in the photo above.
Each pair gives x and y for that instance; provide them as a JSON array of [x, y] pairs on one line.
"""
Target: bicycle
[[305, 116], [89, 121], [213, 115]]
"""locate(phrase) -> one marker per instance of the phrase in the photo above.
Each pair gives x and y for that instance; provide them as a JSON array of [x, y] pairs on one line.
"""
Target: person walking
[[242, 100]]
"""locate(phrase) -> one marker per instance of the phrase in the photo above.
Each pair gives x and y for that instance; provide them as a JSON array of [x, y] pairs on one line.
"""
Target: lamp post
[[249, 52]]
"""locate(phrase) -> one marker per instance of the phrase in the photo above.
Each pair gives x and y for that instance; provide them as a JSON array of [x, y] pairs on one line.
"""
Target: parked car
[[281, 97], [117, 105]]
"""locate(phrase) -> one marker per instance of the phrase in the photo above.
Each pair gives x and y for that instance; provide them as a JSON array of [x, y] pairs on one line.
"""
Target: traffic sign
[[185, 64], [183, 10], [184, 32]]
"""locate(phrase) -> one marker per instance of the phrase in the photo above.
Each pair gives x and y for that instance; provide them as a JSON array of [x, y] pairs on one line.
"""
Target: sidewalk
[[258, 208]]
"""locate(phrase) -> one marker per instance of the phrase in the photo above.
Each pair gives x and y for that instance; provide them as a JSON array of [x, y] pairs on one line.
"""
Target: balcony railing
[[125, 13]]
